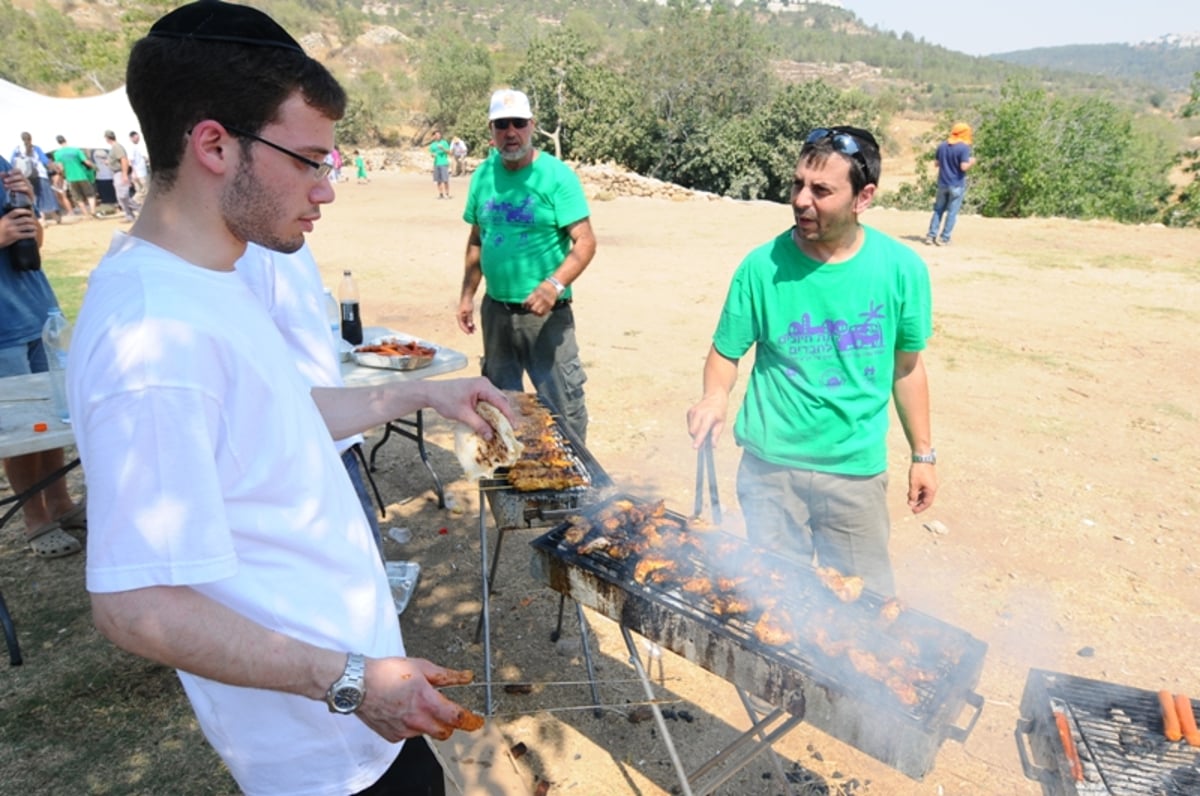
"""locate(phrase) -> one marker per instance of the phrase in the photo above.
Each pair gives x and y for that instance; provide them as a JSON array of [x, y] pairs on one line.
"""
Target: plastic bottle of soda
[[351, 314], [23, 252], [56, 338]]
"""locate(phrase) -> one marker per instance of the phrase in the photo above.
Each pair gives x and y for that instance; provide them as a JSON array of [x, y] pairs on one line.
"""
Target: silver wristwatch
[[348, 691], [925, 458]]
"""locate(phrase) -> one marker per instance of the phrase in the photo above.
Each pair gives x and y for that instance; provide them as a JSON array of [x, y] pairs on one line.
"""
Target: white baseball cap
[[508, 103]]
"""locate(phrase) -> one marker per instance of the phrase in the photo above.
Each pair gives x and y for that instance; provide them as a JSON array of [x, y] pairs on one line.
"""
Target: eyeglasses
[[844, 143], [321, 169], [502, 124]]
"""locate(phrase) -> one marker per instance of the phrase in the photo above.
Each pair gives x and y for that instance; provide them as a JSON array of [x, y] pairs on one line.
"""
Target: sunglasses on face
[[844, 143], [503, 124]]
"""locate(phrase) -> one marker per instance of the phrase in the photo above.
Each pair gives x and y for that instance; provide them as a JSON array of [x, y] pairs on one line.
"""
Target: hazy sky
[[984, 28]]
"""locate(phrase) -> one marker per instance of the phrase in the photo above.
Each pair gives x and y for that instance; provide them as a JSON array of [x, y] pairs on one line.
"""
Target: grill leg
[[556, 634], [636, 660], [489, 574], [484, 624], [776, 763], [587, 657], [738, 754]]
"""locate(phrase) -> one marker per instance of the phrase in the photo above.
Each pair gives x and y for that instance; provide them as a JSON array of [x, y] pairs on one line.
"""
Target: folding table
[[24, 402], [446, 360]]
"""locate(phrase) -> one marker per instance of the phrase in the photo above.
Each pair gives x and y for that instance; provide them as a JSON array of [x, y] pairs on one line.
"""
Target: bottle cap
[[39, 427]]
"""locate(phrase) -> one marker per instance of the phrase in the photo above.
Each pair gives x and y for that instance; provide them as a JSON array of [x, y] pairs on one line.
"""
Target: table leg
[[397, 426], [10, 631], [10, 635]]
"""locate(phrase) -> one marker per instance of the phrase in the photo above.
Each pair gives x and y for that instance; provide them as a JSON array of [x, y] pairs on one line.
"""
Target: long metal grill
[[1118, 736], [840, 699]]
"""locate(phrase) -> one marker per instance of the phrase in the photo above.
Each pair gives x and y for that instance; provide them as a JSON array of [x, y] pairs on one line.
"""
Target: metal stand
[[722, 766], [401, 426], [18, 500], [483, 627]]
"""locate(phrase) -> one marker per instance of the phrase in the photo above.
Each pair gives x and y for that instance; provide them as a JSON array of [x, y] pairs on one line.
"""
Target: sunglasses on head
[[503, 124], [844, 143]]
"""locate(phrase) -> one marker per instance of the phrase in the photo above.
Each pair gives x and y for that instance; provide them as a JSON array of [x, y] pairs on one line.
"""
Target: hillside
[[1170, 63]]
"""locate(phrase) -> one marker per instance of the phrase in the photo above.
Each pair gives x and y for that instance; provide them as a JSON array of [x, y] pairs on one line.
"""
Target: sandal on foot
[[75, 519], [51, 541]]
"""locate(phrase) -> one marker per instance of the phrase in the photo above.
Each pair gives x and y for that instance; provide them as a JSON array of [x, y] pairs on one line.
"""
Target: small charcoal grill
[[795, 676], [1117, 737], [513, 510]]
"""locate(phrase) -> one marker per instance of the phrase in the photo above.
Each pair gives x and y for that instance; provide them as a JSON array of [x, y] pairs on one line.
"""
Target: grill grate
[[1118, 734]]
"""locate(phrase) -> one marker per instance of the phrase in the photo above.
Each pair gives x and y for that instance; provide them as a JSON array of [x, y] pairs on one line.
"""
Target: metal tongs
[[704, 464]]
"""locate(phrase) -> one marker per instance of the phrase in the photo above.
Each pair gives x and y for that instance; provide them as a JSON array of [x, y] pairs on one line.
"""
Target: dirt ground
[[1064, 413]]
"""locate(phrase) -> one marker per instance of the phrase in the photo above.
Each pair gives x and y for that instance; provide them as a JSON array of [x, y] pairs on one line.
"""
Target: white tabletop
[[24, 401], [446, 360]]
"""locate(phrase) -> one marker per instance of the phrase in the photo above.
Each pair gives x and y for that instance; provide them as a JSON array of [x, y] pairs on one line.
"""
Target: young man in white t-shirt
[[224, 537]]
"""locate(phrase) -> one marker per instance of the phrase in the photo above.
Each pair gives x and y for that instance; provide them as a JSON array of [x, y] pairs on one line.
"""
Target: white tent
[[82, 121]]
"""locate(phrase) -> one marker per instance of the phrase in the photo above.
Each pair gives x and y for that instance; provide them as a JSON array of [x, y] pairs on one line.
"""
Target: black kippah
[[212, 20]]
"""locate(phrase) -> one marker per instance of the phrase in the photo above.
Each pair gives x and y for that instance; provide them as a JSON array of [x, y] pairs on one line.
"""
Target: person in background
[[360, 167], [25, 299], [59, 185], [954, 160], [106, 194], [224, 538], [531, 238], [289, 287], [37, 172], [838, 314], [77, 171], [122, 171], [440, 149], [458, 150], [140, 164]]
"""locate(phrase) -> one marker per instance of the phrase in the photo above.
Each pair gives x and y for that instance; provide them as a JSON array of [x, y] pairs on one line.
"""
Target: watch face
[[347, 698]]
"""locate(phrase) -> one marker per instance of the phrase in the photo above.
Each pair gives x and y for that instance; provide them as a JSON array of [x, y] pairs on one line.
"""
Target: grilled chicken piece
[[651, 565], [774, 628], [730, 584], [730, 604], [828, 645], [890, 611], [866, 663], [699, 586], [578, 528], [904, 691], [598, 543], [846, 588]]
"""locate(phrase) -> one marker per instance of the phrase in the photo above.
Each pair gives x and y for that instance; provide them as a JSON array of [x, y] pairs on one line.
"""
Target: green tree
[[458, 78], [1040, 155], [700, 69], [1185, 209]]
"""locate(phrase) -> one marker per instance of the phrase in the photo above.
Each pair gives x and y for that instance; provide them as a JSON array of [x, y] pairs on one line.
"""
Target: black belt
[[521, 309]]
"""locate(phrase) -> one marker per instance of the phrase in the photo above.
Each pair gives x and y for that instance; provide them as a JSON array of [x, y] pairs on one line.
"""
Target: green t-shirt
[[71, 158], [523, 217], [825, 337], [441, 152]]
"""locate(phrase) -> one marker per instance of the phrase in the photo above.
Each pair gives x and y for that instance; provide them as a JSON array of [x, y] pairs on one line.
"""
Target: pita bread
[[481, 458]]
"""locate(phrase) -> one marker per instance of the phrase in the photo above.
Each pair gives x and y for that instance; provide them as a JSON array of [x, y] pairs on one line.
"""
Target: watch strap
[[925, 458]]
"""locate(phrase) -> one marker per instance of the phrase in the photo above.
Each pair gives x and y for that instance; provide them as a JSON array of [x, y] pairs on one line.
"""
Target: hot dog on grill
[[1187, 719], [1169, 716]]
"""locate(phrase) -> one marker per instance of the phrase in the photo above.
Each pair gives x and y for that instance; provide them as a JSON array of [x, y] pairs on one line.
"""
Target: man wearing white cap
[[531, 238]]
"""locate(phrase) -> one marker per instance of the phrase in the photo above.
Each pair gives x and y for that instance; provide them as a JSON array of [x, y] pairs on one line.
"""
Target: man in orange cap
[[954, 159]]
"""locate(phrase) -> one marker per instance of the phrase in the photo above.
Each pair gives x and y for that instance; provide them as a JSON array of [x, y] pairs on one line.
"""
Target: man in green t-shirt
[[440, 149], [838, 314], [77, 172], [530, 237]]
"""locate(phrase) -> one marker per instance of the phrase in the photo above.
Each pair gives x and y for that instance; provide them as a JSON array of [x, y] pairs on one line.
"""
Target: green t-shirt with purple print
[[825, 337]]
